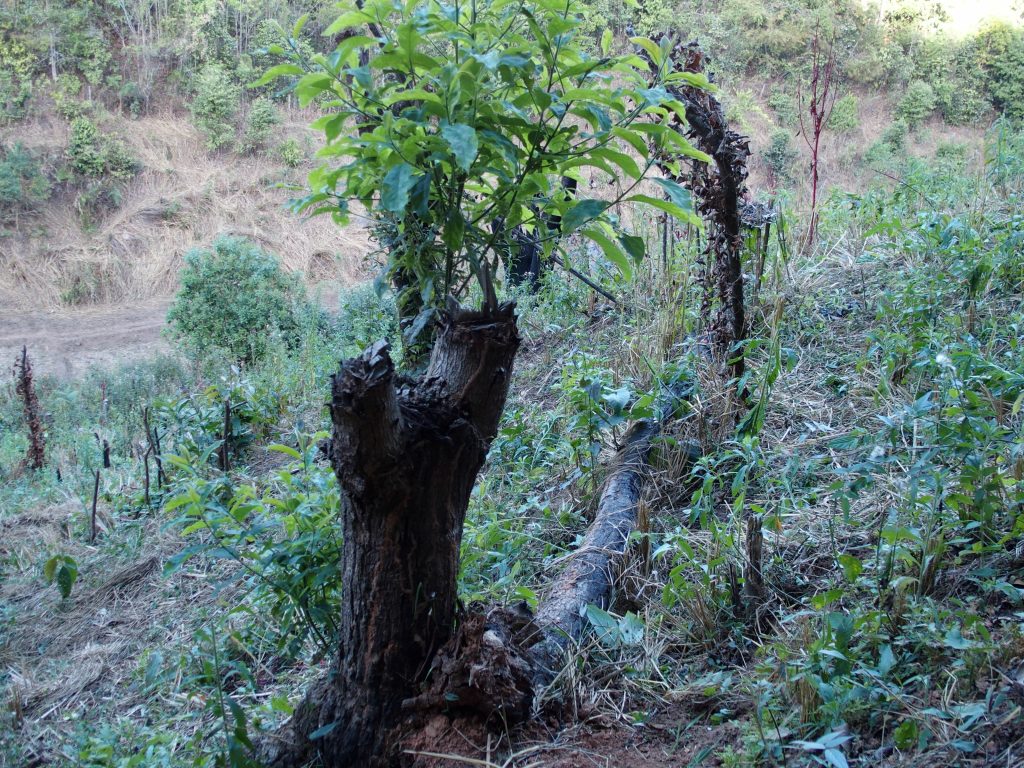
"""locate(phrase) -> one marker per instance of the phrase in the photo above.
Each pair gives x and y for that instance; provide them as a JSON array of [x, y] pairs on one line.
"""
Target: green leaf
[[852, 567], [581, 213], [606, 42], [611, 251], [50, 568], [954, 639], [66, 577], [634, 245], [394, 189], [669, 207], [651, 47], [463, 142], [606, 626], [281, 70], [676, 193], [285, 449]]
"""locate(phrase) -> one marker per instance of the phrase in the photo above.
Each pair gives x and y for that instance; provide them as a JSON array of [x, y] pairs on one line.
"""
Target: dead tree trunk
[[26, 390], [719, 188], [591, 571], [406, 456]]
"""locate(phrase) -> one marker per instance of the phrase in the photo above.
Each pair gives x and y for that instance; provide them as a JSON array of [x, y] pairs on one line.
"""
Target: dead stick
[[95, 497], [225, 463]]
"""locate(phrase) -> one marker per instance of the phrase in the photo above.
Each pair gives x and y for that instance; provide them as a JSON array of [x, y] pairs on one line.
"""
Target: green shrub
[[14, 96], [917, 104], [891, 143], [93, 155], [260, 122], [215, 104], [961, 102], [131, 97], [784, 107], [22, 181], [366, 317], [952, 156], [84, 151], [780, 156], [66, 92], [1001, 54], [844, 117], [234, 298], [291, 153]]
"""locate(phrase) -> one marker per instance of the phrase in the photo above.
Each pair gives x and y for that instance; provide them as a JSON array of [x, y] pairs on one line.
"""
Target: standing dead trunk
[[25, 388], [406, 456]]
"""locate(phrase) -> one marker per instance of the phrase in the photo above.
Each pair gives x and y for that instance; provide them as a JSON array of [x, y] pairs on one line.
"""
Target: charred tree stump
[[25, 389], [406, 455], [719, 188]]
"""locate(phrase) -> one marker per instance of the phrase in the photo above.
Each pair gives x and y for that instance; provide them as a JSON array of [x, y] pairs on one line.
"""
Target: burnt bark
[[591, 571], [719, 187], [406, 455], [25, 388]]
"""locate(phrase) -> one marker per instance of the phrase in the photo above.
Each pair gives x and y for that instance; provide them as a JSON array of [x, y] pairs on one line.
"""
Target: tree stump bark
[[406, 455]]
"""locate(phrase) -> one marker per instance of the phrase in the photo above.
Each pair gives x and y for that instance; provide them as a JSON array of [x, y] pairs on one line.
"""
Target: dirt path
[[67, 344]]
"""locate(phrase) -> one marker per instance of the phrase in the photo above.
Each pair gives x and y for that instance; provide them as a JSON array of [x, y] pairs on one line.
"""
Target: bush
[[784, 107], [844, 117], [66, 92], [366, 317], [1001, 53], [22, 181], [291, 153], [891, 143], [234, 298], [215, 104], [84, 153], [93, 155], [917, 104], [780, 155], [260, 123]]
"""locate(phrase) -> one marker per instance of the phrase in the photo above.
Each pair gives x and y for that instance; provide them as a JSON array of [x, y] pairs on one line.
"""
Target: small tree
[[260, 123], [779, 157], [234, 299], [215, 104], [917, 104], [453, 125]]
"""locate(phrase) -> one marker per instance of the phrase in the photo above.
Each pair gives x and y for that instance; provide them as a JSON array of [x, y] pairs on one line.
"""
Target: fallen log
[[590, 574]]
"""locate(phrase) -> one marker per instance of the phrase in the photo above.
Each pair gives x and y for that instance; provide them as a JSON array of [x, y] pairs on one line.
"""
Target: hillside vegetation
[[128, 135], [827, 566]]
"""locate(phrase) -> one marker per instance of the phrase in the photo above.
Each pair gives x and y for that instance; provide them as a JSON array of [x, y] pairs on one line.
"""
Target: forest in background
[[169, 583]]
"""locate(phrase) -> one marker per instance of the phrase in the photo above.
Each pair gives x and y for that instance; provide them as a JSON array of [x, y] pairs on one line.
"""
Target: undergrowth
[[881, 463]]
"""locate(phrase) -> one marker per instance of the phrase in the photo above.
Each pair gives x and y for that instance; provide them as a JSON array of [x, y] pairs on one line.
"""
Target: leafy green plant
[[286, 538], [61, 570], [780, 156], [260, 123], [215, 105], [366, 316], [235, 298], [917, 104], [23, 182], [291, 153], [845, 115], [91, 154], [455, 153]]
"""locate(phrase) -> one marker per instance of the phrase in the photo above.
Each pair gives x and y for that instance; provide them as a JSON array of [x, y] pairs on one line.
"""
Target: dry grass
[[184, 198], [77, 660]]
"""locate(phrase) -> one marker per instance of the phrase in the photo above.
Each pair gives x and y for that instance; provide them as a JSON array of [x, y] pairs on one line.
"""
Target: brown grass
[[185, 197]]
